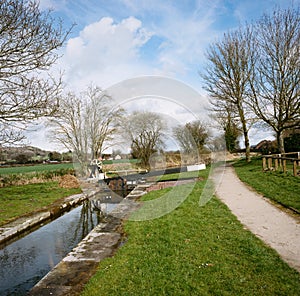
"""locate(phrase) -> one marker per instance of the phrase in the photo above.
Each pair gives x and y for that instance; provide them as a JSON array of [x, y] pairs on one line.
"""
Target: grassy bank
[[19, 200], [22, 175], [35, 168], [193, 251], [279, 187]]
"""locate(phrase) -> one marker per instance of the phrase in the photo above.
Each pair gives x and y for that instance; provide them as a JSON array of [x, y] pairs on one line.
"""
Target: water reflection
[[24, 262]]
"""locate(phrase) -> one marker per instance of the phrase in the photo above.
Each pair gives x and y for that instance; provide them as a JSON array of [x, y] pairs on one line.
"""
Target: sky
[[119, 45]]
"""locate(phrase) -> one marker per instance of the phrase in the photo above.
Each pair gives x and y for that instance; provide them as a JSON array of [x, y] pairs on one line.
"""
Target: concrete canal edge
[[24, 224], [70, 275]]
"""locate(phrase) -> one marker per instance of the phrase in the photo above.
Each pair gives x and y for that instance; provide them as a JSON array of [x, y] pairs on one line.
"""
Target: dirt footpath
[[272, 225]]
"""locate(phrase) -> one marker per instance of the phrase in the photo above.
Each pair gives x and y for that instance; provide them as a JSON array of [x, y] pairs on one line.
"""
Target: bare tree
[[228, 75], [68, 127], [102, 120], [192, 136], [276, 89], [29, 40], [9, 135], [86, 124], [144, 130]]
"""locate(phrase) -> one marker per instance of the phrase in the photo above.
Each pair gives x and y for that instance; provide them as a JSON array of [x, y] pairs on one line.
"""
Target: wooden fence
[[279, 162]]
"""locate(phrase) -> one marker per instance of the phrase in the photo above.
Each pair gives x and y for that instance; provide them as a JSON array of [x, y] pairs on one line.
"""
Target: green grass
[[35, 168], [183, 175], [277, 186], [134, 161], [19, 200], [193, 251], [53, 167]]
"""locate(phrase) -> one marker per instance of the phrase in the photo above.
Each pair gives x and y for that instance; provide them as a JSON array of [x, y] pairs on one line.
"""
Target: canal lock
[[30, 257]]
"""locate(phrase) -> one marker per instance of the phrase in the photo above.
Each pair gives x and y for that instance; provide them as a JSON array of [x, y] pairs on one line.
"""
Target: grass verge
[[35, 168], [193, 251], [277, 186], [178, 176], [16, 201]]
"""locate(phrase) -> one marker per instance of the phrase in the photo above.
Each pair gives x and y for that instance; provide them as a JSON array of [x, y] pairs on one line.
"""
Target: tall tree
[[228, 74], [68, 127], [29, 40], [192, 136], [102, 120], [144, 130], [85, 124], [276, 89]]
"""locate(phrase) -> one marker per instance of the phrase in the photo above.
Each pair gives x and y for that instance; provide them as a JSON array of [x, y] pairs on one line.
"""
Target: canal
[[25, 261]]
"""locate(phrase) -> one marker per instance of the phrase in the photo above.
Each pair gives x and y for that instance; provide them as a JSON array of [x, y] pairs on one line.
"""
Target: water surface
[[24, 262]]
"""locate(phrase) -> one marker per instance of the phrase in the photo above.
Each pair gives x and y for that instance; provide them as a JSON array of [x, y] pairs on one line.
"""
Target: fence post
[[295, 168], [276, 164], [284, 165], [264, 163], [280, 161], [269, 163]]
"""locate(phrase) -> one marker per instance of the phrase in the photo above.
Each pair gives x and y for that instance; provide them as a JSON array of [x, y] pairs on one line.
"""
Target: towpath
[[276, 228]]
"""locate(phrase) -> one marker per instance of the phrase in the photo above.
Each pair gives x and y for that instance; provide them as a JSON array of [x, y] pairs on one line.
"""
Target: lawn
[[44, 168], [19, 200], [118, 161], [277, 186], [183, 175], [35, 168], [20, 175], [192, 251]]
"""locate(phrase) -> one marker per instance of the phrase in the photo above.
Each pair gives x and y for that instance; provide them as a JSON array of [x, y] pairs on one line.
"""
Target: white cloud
[[160, 94], [186, 30], [38, 136], [106, 52]]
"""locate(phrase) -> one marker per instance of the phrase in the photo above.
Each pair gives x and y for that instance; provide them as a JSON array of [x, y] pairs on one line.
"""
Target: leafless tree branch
[[29, 43]]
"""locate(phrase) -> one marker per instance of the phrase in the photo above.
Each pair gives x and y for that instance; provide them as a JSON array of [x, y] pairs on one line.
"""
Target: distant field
[[34, 168], [54, 167]]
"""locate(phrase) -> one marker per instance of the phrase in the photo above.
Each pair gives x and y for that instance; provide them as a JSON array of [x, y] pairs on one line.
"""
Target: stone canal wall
[[24, 224], [70, 275]]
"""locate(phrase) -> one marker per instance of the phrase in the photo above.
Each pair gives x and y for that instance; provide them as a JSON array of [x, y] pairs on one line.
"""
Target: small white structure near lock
[[101, 176], [196, 167]]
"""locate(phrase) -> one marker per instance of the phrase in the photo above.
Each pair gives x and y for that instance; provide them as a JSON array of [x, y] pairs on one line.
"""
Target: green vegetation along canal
[[24, 262]]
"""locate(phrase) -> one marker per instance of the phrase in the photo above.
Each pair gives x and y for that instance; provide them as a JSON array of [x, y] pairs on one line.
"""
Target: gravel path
[[275, 227]]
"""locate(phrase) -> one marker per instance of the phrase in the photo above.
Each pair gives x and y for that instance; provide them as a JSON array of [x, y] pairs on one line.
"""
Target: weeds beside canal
[[193, 251]]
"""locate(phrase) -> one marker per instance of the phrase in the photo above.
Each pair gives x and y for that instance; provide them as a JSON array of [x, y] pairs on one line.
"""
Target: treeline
[[31, 155]]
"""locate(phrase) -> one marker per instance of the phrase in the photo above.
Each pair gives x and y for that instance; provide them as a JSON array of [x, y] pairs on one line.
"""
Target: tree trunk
[[280, 142], [247, 145], [245, 132]]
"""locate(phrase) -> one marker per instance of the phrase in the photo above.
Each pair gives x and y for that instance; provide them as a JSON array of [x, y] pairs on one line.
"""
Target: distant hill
[[22, 154]]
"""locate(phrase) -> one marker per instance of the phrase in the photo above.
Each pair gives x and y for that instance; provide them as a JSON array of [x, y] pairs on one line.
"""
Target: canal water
[[24, 262]]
